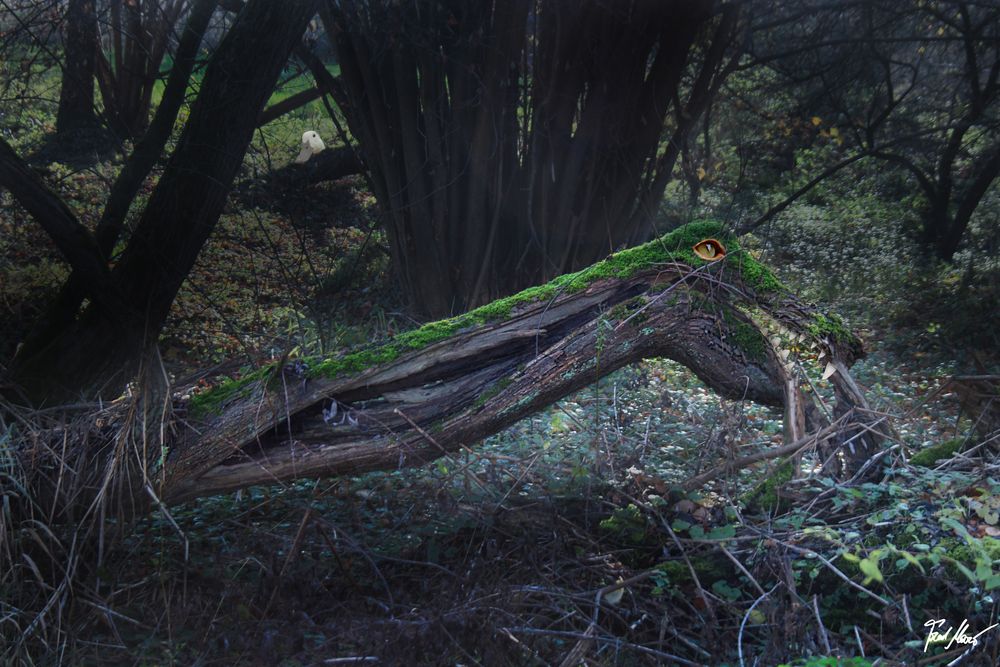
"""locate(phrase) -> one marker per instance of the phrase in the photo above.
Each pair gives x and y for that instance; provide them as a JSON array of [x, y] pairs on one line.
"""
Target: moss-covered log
[[453, 382]]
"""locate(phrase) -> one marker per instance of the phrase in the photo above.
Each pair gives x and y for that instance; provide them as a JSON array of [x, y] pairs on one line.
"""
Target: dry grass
[[72, 480]]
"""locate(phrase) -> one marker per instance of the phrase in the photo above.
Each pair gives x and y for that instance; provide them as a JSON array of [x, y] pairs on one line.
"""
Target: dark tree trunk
[[935, 226], [512, 142], [96, 354], [139, 34], [65, 308], [76, 93], [950, 237]]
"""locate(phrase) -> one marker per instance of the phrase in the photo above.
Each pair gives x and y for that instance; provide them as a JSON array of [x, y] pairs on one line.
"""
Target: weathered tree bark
[[76, 93], [451, 383], [512, 142], [96, 354], [425, 405]]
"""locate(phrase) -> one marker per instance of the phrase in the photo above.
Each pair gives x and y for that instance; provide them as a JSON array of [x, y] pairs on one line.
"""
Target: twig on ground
[[743, 624], [833, 568], [785, 450], [857, 639], [742, 569], [694, 575], [613, 640], [822, 628]]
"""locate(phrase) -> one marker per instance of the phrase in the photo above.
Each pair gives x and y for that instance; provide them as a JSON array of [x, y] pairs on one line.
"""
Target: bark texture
[[512, 142], [76, 93]]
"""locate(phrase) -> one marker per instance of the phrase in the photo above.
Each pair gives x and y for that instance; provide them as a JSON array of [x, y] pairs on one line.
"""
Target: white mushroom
[[311, 144]]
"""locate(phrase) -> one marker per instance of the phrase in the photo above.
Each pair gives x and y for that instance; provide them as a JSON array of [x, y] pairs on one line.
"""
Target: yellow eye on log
[[710, 250]]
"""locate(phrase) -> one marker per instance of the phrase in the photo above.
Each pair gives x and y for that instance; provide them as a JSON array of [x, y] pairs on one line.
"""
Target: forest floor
[[510, 553]]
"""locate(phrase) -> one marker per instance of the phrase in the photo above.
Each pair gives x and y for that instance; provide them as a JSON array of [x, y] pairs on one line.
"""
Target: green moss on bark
[[746, 337], [765, 496], [212, 401], [741, 334], [497, 387], [673, 247], [757, 276], [677, 246], [830, 327], [930, 455]]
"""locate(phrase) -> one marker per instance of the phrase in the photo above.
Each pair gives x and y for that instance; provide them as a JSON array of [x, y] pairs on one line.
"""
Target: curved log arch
[[451, 383], [294, 422]]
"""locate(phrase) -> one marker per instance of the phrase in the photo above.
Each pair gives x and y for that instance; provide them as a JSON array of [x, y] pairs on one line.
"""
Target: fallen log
[[454, 382], [451, 383], [328, 165]]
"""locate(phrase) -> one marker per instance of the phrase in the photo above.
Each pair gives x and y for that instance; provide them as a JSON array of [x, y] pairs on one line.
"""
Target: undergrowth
[[511, 554]]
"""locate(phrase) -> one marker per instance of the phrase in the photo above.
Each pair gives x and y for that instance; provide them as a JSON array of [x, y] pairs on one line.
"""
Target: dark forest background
[[159, 242]]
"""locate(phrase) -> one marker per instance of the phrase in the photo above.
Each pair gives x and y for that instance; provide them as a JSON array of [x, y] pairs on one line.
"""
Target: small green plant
[[628, 524], [828, 662]]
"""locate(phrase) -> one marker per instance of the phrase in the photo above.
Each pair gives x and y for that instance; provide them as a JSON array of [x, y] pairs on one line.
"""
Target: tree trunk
[[512, 142], [76, 93], [986, 171], [64, 309], [140, 34], [96, 354], [451, 383]]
